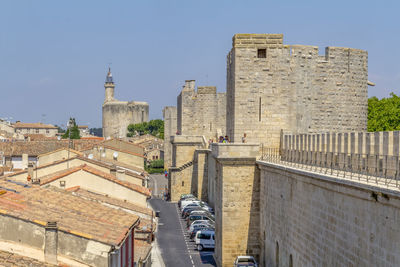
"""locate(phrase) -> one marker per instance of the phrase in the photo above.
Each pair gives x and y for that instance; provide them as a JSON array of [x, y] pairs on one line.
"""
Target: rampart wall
[[273, 86], [201, 112], [310, 219]]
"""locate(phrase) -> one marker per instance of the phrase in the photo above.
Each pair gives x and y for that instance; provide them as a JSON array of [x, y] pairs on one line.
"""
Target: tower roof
[[109, 78]]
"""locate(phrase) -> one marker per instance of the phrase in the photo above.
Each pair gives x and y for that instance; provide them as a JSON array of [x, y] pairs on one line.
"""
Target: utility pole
[[69, 125]]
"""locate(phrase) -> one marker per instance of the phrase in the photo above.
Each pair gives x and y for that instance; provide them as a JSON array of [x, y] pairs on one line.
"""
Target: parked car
[[192, 204], [245, 261], [185, 202], [200, 222], [205, 239], [201, 212], [183, 197], [193, 218], [186, 212], [193, 233]]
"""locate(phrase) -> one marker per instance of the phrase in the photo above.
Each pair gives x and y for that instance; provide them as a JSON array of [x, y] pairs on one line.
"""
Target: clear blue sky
[[54, 54]]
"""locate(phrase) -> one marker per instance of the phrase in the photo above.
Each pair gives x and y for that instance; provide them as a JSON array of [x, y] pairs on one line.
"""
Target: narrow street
[[176, 247]]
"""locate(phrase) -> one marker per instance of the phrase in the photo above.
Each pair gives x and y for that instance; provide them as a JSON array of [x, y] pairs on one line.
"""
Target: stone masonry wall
[[117, 115], [201, 112], [170, 128], [181, 172], [292, 87], [311, 219], [236, 202]]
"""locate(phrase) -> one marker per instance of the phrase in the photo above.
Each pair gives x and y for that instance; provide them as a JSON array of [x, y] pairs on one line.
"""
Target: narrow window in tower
[[262, 53], [259, 109], [142, 116]]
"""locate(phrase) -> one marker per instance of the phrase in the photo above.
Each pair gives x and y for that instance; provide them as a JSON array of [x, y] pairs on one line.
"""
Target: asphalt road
[[176, 247]]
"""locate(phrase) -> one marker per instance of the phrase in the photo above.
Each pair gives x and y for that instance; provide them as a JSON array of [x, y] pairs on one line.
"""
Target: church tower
[[109, 86]]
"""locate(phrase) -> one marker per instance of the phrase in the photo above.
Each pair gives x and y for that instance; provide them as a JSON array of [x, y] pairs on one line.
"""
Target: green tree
[[74, 131], [153, 127], [384, 114]]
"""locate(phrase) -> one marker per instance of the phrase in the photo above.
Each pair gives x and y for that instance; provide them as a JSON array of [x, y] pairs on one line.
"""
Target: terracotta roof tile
[[34, 148], [11, 259], [34, 125], [54, 176], [73, 214], [142, 249]]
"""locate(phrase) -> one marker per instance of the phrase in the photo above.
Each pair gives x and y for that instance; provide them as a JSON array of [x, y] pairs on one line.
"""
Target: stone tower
[[117, 115], [109, 86], [272, 87]]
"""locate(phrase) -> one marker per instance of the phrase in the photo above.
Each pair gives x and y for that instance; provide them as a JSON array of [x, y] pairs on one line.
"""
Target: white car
[[184, 203], [245, 261], [205, 239], [195, 224]]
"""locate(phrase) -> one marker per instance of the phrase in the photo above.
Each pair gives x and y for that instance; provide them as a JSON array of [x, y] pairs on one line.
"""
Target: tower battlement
[[273, 86]]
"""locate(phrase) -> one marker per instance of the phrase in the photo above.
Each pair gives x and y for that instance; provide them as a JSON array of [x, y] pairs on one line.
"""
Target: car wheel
[[199, 247]]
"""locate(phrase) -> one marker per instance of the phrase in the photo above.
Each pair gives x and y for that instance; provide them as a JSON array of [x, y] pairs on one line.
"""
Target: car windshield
[[245, 264]]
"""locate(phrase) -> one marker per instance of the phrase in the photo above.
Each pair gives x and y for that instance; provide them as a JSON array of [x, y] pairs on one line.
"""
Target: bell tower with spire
[[109, 86]]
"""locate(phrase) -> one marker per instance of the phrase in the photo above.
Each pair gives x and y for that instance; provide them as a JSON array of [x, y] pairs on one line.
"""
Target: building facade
[[117, 115]]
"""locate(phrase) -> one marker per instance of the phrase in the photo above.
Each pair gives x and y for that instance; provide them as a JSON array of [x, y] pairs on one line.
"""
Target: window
[[47, 131], [37, 131], [62, 183], [204, 236], [277, 254], [183, 183], [290, 260], [262, 53]]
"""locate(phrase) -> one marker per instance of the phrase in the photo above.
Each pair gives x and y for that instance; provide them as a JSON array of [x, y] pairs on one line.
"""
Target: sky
[[54, 55]]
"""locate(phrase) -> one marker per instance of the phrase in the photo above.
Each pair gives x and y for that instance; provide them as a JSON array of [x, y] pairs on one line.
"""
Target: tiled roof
[[142, 249], [77, 190], [73, 214], [11, 259], [34, 125], [93, 161], [55, 176], [123, 150], [60, 149], [34, 148], [124, 165], [38, 137], [124, 145]]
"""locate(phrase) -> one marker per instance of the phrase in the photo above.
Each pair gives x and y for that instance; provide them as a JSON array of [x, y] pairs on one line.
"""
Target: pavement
[[173, 244]]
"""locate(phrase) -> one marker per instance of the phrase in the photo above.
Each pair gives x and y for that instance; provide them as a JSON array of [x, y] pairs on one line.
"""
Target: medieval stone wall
[[309, 219], [201, 112], [272, 86]]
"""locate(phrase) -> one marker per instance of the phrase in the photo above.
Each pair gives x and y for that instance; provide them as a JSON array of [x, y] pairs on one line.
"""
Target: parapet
[[250, 40], [206, 90]]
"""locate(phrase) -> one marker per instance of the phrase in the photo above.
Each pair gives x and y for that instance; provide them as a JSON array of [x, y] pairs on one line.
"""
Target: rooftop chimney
[[30, 169], [50, 243], [113, 170], [121, 175]]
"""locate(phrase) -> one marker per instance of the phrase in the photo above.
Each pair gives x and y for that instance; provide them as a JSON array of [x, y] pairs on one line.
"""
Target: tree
[[153, 127], [74, 130], [384, 114]]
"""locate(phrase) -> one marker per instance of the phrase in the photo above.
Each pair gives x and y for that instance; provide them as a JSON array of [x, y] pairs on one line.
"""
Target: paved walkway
[[176, 248]]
